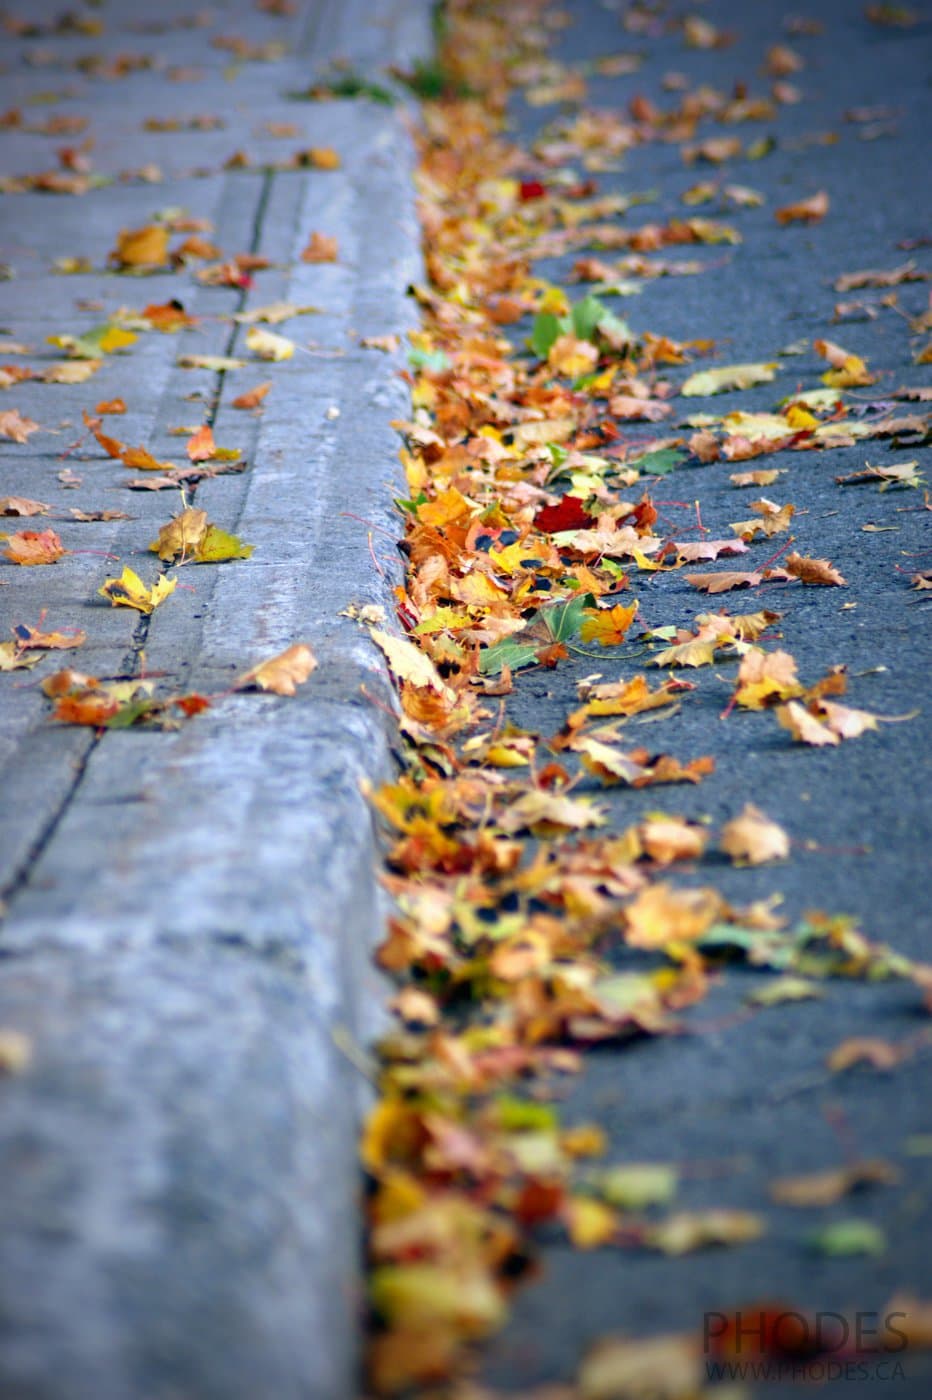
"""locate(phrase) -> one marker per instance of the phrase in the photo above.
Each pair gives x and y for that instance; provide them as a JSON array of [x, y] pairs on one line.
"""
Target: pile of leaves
[[522, 931]]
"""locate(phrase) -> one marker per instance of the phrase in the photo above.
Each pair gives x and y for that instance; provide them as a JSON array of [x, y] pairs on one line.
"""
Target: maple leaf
[[773, 520], [723, 582], [201, 446], [697, 651], [252, 398], [765, 677], [30, 638], [847, 371], [691, 550], [13, 658], [21, 505], [269, 346], [129, 591], [668, 839], [752, 838], [817, 571], [543, 812], [15, 427], [686, 1231], [281, 674], [320, 248], [764, 477], [727, 378], [661, 915], [191, 537], [409, 663], [826, 1187], [568, 514], [608, 626], [141, 247], [107, 406], [571, 356], [30, 547], [806, 211], [668, 1366]]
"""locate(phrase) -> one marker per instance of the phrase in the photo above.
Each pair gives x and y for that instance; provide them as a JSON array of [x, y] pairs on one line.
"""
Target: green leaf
[[658, 463], [849, 1237], [435, 361], [563, 620], [638, 1185], [508, 653], [546, 329], [587, 315]]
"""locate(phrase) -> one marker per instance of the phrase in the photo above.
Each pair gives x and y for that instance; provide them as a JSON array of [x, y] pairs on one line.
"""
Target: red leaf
[[568, 515]]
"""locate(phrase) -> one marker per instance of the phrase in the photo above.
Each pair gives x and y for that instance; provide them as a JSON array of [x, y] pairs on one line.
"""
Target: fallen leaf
[[110, 406], [281, 674], [818, 571], [668, 1367], [690, 1230], [806, 211], [826, 1187], [861, 1049], [141, 247], [201, 446], [753, 838], [269, 346], [723, 582], [846, 1237], [21, 505], [30, 547], [320, 248], [727, 378], [129, 591], [15, 427], [253, 397]]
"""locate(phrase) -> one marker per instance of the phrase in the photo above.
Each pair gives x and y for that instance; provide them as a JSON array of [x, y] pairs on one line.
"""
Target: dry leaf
[[320, 248], [129, 591], [812, 570], [141, 247], [21, 505], [753, 838], [32, 547], [253, 397], [15, 427], [806, 211], [826, 1187], [283, 673], [269, 346]]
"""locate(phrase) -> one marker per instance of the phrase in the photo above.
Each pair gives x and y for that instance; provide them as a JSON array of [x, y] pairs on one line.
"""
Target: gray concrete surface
[[189, 914]]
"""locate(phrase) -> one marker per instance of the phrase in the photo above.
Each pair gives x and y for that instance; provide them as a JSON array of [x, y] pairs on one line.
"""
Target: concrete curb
[[191, 915]]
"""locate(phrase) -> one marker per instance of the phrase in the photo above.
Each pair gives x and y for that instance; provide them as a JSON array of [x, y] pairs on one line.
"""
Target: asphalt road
[[736, 1105]]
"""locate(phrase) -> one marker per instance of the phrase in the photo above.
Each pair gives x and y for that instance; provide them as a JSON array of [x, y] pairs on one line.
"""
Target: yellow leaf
[[129, 591], [752, 838], [608, 626], [728, 377], [269, 346]]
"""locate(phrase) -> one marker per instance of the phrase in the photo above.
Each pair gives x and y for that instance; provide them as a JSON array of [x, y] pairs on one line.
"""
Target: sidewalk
[[189, 911]]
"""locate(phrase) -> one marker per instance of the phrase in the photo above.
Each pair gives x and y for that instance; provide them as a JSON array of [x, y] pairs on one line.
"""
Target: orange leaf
[[283, 673], [201, 445], [34, 547], [806, 211], [253, 397]]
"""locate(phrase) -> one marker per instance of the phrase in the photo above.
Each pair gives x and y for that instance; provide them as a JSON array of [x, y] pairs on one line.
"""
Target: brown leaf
[[281, 674], [812, 570], [15, 427], [826, 1187], [752, 838], [253, 397], [320, 248], [21, 505], [723, 582], [866, 1049], [807, 211]]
